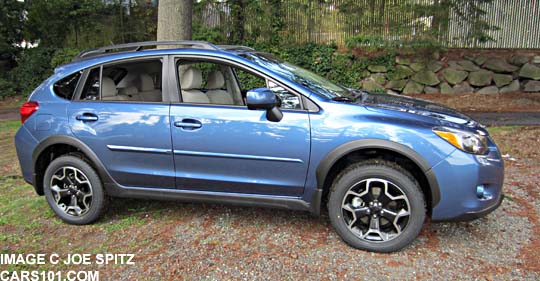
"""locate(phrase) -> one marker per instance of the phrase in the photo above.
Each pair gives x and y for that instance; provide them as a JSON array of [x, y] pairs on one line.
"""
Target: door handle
[[188, 124], [87, 117]]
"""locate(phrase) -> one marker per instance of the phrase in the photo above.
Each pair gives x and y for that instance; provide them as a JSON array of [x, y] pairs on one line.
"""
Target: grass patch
[[9, 125], [502, 129], [124, 223]]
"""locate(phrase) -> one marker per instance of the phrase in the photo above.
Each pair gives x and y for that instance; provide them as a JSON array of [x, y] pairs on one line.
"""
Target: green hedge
[[340, 66], [33, 67]]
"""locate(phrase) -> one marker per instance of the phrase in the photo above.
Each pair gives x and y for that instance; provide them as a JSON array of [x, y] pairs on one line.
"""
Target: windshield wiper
[[343, 98], [352, 95]]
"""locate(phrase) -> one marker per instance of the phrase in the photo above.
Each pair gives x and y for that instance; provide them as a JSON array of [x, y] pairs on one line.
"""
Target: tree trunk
[[174, 20], [238, 10]]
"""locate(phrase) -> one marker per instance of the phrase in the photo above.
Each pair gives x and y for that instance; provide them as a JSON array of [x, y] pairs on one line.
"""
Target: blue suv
[[228, 124]]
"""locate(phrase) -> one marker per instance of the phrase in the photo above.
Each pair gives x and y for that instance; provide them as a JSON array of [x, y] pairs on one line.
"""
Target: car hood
[[415, 106]]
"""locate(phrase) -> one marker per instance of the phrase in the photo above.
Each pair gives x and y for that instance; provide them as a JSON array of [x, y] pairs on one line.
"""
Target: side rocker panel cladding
[[116, 190]]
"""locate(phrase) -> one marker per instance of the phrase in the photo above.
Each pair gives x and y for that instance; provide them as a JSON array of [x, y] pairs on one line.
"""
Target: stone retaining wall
[[469, 74]]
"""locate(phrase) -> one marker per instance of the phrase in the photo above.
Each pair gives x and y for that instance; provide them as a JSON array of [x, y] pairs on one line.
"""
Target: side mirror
[[263, 98]]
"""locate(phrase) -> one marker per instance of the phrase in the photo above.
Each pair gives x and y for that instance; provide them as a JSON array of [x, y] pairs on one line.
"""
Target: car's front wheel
[[73, 190], [376, 206]]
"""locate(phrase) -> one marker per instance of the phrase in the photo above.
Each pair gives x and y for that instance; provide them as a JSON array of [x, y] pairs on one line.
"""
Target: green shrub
[[369, 43], [207, 34], [6, 88], [419, 45], [62, 56], [323, 59], [33, 66]]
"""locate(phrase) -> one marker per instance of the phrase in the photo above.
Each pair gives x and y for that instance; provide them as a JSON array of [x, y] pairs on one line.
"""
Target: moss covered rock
[[401, 72], [480, 78], [468, 65], [377, 68], [512, 87], [417, 66], [397, 85], [434, 66], [426, 77], [445, 88], [530, 71], [463, 88], [454, 76], [379, 78], [502, 79], [479, 60], [371, 86], [519, 60], [431, 90], [454, 65], [489, 90], [402, 60], [499, 65], [532, 86], [413, 88]]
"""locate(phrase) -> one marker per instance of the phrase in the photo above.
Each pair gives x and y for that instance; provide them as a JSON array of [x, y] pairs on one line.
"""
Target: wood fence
[[517, 21]]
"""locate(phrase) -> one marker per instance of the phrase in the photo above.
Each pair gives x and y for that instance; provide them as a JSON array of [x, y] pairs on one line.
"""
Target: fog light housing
[[480, 191]]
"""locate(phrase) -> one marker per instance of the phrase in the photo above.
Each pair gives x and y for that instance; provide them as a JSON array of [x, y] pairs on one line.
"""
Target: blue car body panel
[[133, 140], [249, 144], [227, 150]]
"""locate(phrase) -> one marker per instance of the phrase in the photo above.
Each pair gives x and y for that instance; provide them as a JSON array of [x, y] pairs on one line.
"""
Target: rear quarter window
[[65, 88]]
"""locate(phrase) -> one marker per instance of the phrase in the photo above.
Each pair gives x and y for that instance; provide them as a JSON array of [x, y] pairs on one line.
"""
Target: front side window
[[208, 83], [286, 99], [216, 83]]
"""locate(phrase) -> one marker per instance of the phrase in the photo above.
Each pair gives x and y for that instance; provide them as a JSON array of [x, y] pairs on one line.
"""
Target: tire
[[357, 210], [74, 190]]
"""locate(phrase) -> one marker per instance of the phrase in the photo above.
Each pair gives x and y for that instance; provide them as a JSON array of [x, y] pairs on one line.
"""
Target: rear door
[[130, 135]]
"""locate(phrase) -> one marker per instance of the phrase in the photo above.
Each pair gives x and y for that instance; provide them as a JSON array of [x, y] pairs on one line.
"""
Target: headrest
[[191, 79], [108, 88], [215, 80], [145, 83]]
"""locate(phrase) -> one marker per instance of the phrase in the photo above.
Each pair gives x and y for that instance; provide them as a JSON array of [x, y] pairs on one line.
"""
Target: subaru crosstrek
[[228, 124]]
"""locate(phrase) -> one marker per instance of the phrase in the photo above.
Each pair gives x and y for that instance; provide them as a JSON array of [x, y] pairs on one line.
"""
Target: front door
[[220, 145]]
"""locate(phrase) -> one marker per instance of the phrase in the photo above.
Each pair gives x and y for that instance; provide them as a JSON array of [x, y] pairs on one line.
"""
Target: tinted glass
[[66, 87], [91, 87]]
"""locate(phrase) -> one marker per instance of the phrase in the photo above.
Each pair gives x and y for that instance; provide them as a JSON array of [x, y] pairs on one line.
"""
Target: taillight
[[27, 109]]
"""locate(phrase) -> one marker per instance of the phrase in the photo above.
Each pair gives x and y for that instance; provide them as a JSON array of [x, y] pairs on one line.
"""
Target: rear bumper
[[25, 144]]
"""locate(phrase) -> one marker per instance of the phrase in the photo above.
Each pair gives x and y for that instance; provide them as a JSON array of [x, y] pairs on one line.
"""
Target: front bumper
[[461, 176], [470, 216]]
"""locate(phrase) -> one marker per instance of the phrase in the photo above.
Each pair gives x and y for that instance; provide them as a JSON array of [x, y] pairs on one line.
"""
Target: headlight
[[463, 140]]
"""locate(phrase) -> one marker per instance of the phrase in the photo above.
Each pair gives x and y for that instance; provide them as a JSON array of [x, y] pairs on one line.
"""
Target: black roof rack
[[130, 47], [235, 47]]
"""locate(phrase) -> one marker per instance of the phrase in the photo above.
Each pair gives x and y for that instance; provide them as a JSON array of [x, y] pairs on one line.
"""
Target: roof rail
[[139, 45], [235, 47]]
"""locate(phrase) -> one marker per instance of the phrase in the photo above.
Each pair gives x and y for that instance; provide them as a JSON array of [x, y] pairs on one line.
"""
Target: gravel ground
[[172, 240]]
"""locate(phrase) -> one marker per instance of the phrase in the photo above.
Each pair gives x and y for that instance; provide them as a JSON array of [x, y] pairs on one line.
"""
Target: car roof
[[101, 55]]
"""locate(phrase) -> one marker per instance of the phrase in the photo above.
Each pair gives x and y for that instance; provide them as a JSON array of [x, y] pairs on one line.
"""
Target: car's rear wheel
[[73, 190], [377, 206]]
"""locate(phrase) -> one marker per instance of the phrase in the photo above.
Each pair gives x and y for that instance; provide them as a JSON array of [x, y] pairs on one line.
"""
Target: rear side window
[[91, 87], [66, 87]]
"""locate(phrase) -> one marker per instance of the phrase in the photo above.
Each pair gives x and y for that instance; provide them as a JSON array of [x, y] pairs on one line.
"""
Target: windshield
[[306, 78]]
